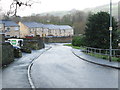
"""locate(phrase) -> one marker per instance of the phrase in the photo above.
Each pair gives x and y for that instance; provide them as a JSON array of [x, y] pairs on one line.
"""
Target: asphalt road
[[15, 74], [59, 68]]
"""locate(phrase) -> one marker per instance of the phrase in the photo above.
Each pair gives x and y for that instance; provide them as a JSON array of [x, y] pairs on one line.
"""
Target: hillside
[[94, 10], [105, 8], [59, 13]]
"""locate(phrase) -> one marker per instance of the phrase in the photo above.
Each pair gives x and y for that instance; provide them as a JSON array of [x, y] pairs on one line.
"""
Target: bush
[[26, 49], [17, 53], [78, 41], [6, 54]]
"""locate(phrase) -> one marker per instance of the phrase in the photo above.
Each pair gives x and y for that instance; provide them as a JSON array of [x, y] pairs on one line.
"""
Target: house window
[[16, 28], [30, 31], [60, 32], [7, 29], [1, 26], [49, 31]]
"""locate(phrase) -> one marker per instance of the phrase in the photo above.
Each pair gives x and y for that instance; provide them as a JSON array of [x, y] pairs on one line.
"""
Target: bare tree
[[18, 3]]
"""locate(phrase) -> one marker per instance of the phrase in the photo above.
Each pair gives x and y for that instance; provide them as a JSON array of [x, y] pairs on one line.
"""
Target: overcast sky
[[55, 5]]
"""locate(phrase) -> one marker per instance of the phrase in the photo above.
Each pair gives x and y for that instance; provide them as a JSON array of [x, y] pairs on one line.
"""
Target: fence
[[115, 52]]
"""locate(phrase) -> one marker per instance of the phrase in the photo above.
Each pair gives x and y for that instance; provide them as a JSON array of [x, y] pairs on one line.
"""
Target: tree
[[18, 3], [97, 31]]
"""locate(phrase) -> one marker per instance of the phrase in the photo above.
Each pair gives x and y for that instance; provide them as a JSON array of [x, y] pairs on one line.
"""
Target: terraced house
[[9, 28], [34, 28], [30, 29], [59, 30]]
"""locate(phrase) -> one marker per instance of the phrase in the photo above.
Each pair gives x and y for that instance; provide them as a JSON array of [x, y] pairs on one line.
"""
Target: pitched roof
[[64, 26], [51, 26], [9, 23], [33, 24]]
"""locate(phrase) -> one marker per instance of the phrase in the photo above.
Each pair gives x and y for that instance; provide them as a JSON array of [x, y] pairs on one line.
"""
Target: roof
[[64, 27], [33, 24], [9, 23], [51, 26]]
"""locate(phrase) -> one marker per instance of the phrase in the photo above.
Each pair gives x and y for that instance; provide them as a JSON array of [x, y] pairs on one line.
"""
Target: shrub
[[7, 54], [17, 53], [78, 41], [26, 49]]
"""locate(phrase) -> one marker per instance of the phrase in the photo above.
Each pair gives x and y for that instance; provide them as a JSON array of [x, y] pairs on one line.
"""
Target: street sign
[[110, 28]]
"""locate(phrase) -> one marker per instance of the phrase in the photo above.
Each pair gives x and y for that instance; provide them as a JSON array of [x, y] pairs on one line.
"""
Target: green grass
[[76, 47], [68, 45], [93, 54], [104, 57]]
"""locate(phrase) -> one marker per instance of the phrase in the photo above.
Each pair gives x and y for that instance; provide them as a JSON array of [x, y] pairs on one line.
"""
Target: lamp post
[[110, 29]]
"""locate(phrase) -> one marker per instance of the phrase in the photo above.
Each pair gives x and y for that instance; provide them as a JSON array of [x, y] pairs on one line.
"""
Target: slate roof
[[49, 26], [9, 23], [64, 27], [33, 24]]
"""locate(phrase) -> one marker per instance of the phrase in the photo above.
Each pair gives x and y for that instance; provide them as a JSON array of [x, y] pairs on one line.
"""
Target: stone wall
[[7, 53], [2, 37], [58, 39], [34, 43]]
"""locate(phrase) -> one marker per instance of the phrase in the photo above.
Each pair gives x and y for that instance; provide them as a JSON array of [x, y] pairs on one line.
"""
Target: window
[[7, 29], [0, 26], [16, 28], [30, 31]]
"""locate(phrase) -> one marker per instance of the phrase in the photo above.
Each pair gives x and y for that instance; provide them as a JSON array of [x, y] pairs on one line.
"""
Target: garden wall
[[58, 39]]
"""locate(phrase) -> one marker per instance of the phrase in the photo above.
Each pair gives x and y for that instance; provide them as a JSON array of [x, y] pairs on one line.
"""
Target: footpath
[[95, 60], [15, 74]]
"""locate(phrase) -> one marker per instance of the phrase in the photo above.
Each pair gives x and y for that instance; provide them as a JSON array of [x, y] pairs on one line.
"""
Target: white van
[[16, 42]]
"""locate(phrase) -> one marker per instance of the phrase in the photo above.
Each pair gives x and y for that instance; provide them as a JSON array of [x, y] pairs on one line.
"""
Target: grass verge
[[103, 57], [76, 47], [93, 54]]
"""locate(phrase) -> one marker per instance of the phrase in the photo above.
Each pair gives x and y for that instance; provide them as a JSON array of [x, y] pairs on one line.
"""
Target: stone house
[[49, 29], [64, 30], [33, 29], [30, 29], [10, 28], [59, 30]]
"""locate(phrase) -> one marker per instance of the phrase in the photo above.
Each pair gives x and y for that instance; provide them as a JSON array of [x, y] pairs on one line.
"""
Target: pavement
[[95, 60], [15, 74]]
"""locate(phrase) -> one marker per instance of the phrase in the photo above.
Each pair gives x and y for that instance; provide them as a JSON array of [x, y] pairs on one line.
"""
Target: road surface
[[60, 68], [15, 74]]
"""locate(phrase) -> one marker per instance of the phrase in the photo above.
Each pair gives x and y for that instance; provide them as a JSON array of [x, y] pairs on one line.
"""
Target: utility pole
[[110, 29]]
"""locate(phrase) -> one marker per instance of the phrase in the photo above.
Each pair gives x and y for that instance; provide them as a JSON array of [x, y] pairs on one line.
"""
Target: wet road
[[15, 74], [59, 68]]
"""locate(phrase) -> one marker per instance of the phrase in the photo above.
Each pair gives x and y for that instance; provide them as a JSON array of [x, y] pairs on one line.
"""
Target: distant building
[[10, 28], [49, 29], [58, 30], [33, 29], [65, 30], [30, 29]]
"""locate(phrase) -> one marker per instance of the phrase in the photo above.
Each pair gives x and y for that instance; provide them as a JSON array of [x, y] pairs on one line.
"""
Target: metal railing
[[115, 52]]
